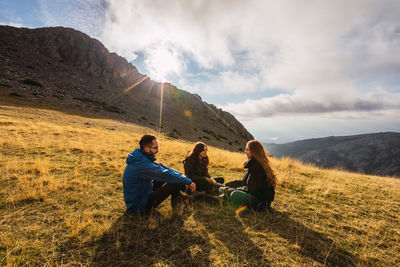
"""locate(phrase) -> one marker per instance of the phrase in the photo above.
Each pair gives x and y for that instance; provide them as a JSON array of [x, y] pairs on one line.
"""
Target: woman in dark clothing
[[257, 189], [196, 168]]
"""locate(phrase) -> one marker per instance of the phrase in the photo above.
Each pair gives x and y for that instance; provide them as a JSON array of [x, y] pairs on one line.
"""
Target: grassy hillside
[[61, 204]]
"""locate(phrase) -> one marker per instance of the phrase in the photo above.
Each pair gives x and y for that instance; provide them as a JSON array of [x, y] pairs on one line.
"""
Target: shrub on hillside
[[32, 82]]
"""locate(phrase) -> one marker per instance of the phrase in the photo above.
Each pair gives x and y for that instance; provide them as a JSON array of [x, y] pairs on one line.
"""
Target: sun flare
[[163, 60]]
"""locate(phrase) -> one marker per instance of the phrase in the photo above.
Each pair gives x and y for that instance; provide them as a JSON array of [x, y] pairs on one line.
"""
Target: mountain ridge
[[376, 153]]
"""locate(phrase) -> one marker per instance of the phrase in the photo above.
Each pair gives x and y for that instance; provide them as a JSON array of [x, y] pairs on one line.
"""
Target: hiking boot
[[214, 190], [226, 191]]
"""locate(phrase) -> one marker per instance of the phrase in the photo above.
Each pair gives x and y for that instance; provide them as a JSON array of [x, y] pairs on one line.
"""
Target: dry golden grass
[[61, 203]]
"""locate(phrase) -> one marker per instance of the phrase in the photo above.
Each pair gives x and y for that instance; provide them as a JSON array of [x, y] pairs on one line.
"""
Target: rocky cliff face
[[369, 153], [66, 69]]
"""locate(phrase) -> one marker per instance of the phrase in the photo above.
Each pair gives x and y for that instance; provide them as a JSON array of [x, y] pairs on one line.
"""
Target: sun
[[162, 60]]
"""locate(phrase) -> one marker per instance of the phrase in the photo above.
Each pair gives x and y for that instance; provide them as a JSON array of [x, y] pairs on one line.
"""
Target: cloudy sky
[[287, 70]]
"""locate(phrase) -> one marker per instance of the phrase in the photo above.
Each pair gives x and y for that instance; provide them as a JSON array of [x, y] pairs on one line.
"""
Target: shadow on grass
[[136, 241], [312, 244], [144, 241], [225, 227]]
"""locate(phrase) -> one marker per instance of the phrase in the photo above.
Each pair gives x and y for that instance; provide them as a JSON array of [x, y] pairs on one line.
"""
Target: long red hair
[[258, 153]]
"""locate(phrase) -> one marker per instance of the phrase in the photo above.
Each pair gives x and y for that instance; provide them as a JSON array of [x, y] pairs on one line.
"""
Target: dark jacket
[[255, 179], [138, 176], [197, 171], [195, 168]]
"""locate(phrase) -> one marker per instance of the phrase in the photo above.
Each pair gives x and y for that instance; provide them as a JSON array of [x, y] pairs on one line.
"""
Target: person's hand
[[192, 187]]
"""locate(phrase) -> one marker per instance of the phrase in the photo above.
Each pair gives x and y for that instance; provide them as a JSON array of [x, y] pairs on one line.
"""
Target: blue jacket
[[138, 176]]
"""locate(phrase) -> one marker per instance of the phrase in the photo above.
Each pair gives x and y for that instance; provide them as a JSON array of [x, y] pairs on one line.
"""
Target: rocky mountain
[[377, 153], [65, 69]]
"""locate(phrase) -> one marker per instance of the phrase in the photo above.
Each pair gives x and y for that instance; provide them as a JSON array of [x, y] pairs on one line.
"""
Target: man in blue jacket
[[148, 183]]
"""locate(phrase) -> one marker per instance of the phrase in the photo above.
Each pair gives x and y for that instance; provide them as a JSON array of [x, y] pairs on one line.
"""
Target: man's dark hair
[[146, 140]]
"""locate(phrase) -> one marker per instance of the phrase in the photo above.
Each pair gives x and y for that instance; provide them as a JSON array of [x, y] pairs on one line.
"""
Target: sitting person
[[196, 168], [147, 183], [257, 189]]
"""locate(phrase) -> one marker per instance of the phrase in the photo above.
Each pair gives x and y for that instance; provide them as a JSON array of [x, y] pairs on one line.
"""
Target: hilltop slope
[[65, 69], [377, 153], [61, 204]]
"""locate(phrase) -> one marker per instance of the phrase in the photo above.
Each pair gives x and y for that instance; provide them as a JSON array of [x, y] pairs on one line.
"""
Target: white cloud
[[320, 46], [292, 45], [301, 104], [195, 27], [222, 83], [83, 15], [14, 24]]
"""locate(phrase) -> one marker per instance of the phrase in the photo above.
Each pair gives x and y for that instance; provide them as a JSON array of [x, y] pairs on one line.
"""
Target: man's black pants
[[161, 191]]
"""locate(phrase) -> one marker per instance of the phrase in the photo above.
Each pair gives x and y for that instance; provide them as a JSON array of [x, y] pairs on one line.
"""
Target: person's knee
[[239, 198]]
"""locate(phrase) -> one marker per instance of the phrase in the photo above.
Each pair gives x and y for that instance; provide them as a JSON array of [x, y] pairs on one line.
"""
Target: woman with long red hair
[[257, 189]]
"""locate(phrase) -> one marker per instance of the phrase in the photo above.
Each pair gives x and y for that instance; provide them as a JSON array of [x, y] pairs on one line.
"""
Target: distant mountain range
[[66, 69], [377, 153]]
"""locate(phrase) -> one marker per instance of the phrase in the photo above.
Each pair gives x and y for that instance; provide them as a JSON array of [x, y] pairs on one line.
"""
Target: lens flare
[[161, 106], [135, 84], [187, 113], [130, 87], [240, 210]]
